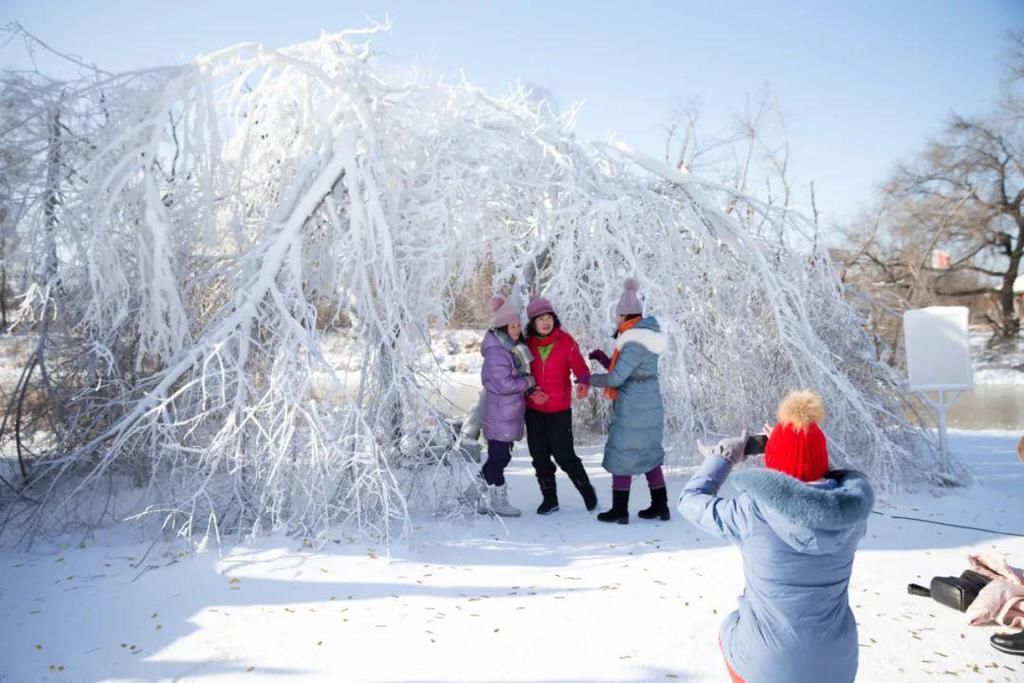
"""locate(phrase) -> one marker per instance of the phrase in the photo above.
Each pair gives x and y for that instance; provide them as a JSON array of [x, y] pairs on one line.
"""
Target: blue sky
[[861, 84]]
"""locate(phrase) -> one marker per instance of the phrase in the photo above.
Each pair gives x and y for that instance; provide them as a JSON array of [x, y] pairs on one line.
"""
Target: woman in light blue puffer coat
[[797, 525], [638, 417]]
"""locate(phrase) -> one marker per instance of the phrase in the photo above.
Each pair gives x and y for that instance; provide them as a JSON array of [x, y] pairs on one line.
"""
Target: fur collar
[[652, 340], [812, 507]]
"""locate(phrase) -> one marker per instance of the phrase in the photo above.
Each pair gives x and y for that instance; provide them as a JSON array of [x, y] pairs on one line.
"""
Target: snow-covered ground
[[558, 598]]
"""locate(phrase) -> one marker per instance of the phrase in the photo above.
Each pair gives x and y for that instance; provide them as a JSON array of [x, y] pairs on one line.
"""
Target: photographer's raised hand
[[699, 502], [732, 448]]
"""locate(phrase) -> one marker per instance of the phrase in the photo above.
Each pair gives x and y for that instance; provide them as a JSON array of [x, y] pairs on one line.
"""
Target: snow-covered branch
[[211, 213]]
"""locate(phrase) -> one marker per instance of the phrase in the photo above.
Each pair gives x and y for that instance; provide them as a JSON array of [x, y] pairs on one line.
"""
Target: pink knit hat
[[502, 312], [628, 303], [539, 306]]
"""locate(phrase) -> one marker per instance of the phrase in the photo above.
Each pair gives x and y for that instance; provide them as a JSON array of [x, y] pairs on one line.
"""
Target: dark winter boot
[[549, 490], [1010, 643], [659, 506], [619, 513], [583, 485]]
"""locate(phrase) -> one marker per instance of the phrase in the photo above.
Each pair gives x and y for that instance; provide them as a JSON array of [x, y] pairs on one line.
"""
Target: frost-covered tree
[[224, 211]]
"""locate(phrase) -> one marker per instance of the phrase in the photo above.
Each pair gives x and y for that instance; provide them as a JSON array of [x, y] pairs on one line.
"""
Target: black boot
[[550, 493], [1010, 643], [586, 489], [620, 509], [659, 506]]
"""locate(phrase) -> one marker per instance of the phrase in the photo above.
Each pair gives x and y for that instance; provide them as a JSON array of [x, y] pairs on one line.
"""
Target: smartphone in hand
[[756, 443]]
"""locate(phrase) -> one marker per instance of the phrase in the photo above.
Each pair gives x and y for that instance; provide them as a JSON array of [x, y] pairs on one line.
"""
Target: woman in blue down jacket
[[638, 417], [797, 525]]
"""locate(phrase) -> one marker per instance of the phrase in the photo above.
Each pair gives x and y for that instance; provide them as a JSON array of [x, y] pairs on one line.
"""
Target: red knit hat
[[797, 445]]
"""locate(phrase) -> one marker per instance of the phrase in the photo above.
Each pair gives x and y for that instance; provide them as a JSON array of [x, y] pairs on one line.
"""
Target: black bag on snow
[[957, 592]]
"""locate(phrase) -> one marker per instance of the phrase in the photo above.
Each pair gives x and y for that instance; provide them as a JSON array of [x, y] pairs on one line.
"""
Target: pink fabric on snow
[[1002, 600], [995, 567]]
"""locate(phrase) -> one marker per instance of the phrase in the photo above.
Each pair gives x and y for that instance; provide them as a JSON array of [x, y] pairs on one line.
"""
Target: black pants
[[549, 435], [499, 455]]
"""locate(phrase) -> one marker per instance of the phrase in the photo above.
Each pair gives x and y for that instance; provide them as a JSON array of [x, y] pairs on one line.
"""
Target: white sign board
[[938, 349]]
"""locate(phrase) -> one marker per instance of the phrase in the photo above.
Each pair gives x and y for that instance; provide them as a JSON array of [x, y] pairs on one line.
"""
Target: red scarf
[[612, 392]]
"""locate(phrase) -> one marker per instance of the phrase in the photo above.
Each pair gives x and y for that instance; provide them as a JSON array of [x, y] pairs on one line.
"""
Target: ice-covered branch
[[217, 217]]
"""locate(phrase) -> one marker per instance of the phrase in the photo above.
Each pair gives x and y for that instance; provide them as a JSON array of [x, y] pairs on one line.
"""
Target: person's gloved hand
[[601, 357], [731, 449]]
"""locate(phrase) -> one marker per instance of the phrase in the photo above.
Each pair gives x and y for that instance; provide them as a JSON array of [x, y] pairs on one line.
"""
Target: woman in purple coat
[[506, 379]]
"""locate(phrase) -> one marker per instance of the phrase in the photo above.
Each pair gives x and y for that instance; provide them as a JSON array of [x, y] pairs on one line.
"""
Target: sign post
[[938, 360]]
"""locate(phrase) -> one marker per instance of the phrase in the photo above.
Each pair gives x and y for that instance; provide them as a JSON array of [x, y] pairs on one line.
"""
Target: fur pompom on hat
[[628, 302], [802, 408], [797, 446], [502, 312]]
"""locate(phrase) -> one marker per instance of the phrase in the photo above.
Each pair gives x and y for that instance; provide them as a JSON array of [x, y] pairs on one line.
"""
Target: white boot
[[499, 502]]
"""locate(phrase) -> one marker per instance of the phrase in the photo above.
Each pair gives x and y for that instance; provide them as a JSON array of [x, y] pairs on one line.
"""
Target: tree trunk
[[3, 298], [52, 198], [1011, 320], [1010, 327]]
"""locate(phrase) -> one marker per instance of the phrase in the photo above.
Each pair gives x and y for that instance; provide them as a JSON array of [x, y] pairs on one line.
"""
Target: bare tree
[[751, 155], [962, 196]]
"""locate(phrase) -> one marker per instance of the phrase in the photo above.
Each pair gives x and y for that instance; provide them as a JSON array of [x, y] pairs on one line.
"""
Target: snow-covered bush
[[216, 217]]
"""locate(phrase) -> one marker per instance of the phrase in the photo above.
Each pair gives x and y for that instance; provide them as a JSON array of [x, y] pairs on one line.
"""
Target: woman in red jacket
[[549, 409]]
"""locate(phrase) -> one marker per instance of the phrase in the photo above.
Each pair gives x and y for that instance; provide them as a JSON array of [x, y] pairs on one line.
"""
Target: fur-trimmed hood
[[647, 333], [812, 517]]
